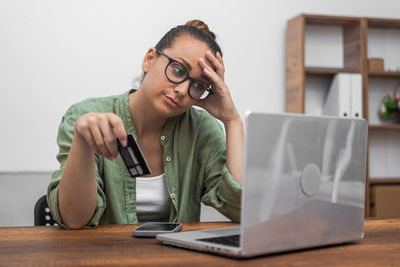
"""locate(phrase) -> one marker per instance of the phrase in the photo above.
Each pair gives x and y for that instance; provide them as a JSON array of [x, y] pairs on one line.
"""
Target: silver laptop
[[303, 186]]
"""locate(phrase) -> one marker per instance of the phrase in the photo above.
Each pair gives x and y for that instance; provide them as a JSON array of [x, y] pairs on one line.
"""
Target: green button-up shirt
[[194, 164]]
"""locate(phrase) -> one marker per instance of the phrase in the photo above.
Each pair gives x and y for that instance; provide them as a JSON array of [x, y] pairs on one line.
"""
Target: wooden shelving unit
[[387, 74], [355, 60], [328, 71], [384, 127], [384, 181]]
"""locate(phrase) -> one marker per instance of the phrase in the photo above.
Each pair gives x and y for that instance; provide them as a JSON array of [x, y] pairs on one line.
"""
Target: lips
[[171, 101]]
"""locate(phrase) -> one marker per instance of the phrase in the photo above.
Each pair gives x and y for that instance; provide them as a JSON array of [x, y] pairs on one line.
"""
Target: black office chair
[[43, 216]]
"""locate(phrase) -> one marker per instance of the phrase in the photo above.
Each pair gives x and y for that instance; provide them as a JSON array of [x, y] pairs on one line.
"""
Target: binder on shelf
[[356, 95], [337, 102], [344, 98]]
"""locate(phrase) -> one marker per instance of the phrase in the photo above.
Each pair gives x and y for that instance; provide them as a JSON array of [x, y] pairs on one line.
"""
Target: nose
[[182, 88]]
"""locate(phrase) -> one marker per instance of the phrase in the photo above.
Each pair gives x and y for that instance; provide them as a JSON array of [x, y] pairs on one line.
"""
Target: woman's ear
[[149, 59]]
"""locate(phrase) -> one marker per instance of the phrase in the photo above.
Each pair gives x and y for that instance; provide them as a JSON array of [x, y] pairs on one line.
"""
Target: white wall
[[54, 53], [19, 192]]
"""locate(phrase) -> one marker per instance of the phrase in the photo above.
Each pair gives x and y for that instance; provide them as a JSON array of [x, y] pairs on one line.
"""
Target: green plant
[[390, 104]]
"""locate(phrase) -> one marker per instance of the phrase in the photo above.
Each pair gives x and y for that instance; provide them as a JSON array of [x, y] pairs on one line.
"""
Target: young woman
[[190, 157]]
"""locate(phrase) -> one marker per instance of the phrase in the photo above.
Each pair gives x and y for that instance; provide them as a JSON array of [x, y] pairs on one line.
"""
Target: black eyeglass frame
[[171, 60]]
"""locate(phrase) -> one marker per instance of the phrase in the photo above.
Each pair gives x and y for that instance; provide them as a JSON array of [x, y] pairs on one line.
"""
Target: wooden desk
[[113, 245]]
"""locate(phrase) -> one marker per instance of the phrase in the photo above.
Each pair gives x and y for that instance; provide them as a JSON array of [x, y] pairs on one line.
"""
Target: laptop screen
[[304, 177]]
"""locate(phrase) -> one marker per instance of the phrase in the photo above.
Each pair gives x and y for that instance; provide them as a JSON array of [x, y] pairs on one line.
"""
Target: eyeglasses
[[177, 73]]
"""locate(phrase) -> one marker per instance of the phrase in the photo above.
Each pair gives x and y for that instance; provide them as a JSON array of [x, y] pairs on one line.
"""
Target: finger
[[204, 62], [109, 137], [218, 85], [90, 140], [118, 128], [211, 74], [100, 142], [220, 69], [219, 57]]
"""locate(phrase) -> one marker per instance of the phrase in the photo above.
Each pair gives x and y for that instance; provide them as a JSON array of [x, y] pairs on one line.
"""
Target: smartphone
[[152, 229]]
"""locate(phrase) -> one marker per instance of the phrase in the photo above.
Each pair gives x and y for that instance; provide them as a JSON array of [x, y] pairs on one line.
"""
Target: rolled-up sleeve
[[64, 141], [220, 188]]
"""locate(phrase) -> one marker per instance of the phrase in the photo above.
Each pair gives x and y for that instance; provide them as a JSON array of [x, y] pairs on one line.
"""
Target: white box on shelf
[[356, 96], [337, 102], [344, 98], [315, 94]]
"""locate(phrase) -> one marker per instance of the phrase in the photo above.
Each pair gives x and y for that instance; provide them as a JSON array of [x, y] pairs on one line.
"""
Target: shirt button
[[172, 195], [168, 158], [162, 137]]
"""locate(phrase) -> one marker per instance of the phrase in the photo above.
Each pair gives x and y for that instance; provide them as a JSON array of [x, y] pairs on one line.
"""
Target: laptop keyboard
[[228, 240]]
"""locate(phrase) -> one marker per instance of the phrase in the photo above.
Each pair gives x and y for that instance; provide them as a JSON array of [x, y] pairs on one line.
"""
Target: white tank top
[[152, 199]]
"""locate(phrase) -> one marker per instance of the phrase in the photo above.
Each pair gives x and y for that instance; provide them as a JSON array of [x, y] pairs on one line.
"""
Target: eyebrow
[[203, 78], [187, 65]]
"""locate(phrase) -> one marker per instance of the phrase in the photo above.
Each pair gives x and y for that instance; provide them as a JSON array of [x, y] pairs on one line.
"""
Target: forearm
[[77, 192], [234, 148]]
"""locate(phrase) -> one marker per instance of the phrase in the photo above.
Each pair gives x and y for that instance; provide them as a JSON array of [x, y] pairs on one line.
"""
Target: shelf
[[330, 20], [383, 23], [385, 74], [384, 181], [329, 71], [393, 127]]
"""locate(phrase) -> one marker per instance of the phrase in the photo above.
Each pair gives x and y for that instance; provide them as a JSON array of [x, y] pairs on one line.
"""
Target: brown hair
[[194, 28], [201, 25]]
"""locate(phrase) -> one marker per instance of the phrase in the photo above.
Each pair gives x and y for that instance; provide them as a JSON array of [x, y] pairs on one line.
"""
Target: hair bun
[[201, 25]]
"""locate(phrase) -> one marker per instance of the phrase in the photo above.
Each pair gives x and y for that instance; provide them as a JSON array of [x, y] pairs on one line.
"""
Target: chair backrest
[[43, 216]]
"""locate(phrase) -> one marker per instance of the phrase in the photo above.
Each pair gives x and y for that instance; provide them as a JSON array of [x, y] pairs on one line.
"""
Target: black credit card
[[133, 157]]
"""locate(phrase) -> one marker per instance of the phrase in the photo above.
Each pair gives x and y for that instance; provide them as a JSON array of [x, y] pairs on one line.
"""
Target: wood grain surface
[[113, 245]]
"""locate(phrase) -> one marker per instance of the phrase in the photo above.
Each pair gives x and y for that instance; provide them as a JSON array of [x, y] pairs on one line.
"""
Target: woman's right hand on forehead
[[100, 131]]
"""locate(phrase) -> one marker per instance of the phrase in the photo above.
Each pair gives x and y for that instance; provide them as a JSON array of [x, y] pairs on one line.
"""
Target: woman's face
[[168, 98]]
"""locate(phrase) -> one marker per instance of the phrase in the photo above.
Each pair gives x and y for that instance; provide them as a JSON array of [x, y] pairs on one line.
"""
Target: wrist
[[237, 120]]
